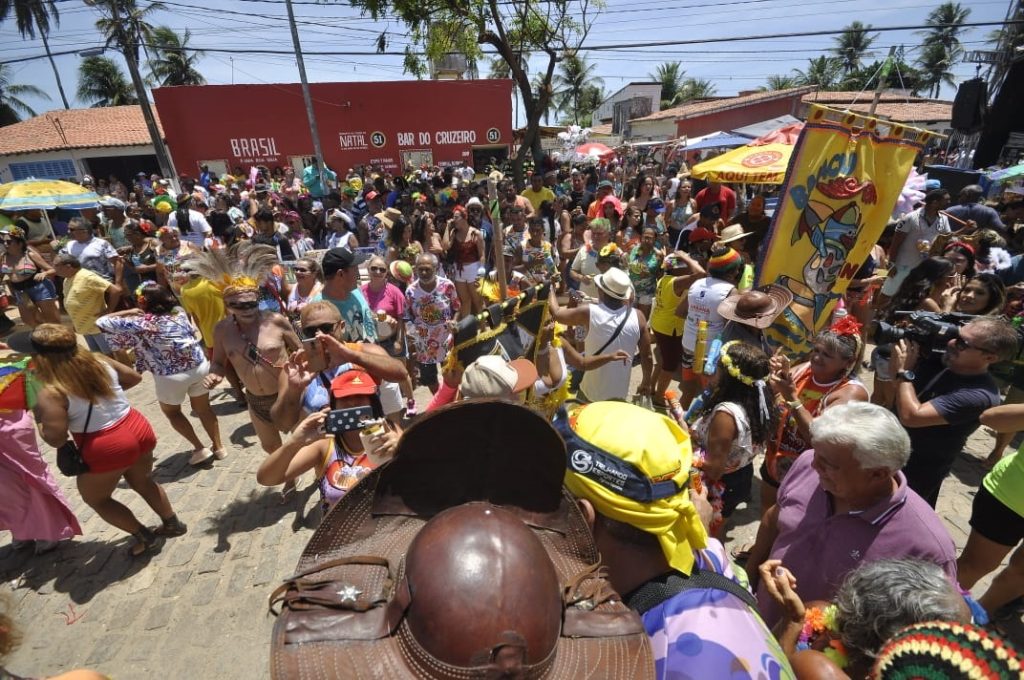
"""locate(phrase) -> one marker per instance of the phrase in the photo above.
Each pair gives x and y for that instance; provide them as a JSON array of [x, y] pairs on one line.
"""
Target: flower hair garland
[[820, 621], [735, 372]]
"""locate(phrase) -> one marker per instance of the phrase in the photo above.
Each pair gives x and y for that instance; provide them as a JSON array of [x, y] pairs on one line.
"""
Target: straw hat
[[758, 307], [734, 232], [614, 283]]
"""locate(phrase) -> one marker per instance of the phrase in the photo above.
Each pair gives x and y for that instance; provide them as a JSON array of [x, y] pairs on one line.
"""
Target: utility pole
[[305, 94], [883, 78]]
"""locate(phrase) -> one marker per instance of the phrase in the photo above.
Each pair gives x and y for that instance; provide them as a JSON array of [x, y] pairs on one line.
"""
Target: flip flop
[[741, 553]]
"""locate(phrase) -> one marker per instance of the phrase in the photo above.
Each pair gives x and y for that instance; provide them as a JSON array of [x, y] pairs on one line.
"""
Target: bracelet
[[796, 404]]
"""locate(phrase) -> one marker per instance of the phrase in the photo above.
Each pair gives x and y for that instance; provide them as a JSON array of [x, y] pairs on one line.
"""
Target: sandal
[[171, 528], [288, 492], [146, 543]]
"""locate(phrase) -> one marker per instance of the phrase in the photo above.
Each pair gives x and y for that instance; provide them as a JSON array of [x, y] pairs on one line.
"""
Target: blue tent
[[718, 140]]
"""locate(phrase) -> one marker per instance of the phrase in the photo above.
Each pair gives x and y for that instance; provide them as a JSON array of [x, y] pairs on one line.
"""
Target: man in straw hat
[[612, 326], [747, 314], [630, 469], [444, 564]]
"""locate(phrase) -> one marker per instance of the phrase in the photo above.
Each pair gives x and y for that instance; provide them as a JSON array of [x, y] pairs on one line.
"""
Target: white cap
[[492, 376]]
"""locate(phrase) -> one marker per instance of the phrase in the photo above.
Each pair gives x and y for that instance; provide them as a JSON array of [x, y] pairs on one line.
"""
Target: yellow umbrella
[[763, 164], [45, 194]]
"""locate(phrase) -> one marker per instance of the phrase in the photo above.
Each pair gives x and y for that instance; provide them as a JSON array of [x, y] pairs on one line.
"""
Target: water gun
[[700, 349], [714, 351]]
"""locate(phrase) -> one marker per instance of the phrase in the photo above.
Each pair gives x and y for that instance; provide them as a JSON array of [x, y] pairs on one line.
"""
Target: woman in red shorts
[[83, 393]]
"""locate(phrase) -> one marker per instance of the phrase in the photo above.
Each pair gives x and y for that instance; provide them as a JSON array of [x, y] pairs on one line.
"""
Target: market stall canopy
[[717, 140], [45, 194], [787, 134], [762, 161], [765, 126], [1006, 174]]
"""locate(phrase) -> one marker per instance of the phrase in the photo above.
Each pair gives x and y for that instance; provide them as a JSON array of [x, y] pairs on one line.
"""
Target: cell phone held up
[[343, 420], [316, 358]]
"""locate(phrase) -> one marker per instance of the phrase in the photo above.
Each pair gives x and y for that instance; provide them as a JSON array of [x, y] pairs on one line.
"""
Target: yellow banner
[[843, 181]]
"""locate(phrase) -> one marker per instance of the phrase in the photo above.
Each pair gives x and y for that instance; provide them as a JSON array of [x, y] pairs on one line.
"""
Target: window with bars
[[55, 169]]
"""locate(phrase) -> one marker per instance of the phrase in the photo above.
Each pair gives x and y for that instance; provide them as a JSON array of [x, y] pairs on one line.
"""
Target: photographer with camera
[[941, 404], [923, 290]]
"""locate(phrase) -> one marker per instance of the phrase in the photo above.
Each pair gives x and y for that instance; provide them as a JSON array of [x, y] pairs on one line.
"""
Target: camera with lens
[[931, 330]]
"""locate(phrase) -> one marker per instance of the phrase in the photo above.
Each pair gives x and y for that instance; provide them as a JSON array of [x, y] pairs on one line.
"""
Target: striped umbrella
[[45, 194]]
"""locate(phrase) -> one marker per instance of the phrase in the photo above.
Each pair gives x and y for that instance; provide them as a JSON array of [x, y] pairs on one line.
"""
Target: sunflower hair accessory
[[735, 372], [609, 249]]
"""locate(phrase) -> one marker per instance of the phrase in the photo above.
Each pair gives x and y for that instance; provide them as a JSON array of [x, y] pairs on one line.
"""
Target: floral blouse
[[429, 314], [165, 344]]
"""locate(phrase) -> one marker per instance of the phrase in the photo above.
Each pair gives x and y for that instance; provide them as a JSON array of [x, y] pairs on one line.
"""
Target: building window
[[58, 169]]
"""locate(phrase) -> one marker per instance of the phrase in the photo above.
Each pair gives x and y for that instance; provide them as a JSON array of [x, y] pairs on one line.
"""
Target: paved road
[[198, 609]]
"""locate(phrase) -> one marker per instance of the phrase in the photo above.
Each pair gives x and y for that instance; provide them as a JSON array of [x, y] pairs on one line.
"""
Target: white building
[[69, 144], [651, 91]]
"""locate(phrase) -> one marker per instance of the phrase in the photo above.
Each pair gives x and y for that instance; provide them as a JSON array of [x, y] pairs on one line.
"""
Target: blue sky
[[731, 66]]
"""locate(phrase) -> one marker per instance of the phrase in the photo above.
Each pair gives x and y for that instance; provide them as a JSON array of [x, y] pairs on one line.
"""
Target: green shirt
[[1006, 481]]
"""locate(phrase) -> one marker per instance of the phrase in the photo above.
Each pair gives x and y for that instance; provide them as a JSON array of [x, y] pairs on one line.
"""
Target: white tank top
[[105, 412], [611, 381], [704, 297]]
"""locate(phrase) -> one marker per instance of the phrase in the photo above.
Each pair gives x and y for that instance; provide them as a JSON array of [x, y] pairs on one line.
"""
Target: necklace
[[252, 352]]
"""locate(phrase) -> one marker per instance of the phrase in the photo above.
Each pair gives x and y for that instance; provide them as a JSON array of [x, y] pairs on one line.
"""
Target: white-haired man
[[845, 502]]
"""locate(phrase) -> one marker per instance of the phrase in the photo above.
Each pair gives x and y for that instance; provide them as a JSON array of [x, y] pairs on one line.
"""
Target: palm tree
[[101, 83], [779, 82], [946, 23], [671, 76], [32, 16], [852, 43], [695, 88], [569, 84], [11, 106], [822, 72], [125, 24], [936, 65], [173, 64]]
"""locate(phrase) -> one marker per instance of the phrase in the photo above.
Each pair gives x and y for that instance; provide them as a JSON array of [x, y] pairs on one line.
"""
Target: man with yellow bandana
[[630, 469]]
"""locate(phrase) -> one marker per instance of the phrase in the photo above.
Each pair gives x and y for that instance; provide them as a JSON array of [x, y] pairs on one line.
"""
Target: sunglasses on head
[[251, 304], [325, 328]]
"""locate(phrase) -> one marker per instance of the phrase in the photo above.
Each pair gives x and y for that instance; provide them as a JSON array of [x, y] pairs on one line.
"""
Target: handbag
[[69, 456]]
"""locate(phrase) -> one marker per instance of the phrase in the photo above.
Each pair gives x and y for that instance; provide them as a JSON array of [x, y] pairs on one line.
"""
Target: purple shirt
[[820, 547]]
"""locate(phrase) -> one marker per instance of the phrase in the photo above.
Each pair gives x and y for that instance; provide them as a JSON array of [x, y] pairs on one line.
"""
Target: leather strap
[[618, 329]]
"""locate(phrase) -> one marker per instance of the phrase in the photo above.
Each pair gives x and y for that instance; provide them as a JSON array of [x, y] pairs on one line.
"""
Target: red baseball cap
[[370, 195], [702, 234], [352, 383]]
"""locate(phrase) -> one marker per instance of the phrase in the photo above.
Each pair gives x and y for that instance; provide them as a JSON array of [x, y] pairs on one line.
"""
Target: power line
[[591, 48]]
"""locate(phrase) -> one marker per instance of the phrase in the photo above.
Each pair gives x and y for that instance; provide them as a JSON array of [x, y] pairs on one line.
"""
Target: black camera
[[931, 330]]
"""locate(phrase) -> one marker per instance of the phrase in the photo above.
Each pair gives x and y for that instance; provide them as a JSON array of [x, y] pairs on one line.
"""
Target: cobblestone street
[[199, 608]]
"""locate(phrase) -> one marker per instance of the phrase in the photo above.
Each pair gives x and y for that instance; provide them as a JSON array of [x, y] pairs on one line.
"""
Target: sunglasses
[[325, 328], [253, 304], [378, 270], [301, 270], [960, 344]]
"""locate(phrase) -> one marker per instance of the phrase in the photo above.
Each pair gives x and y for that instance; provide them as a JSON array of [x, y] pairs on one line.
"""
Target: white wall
[[606, 111], [652, 130], [75, 156]]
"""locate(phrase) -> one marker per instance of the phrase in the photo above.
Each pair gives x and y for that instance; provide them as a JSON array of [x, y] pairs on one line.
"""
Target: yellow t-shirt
[[1006, 481], [205, 304], [84, 299], [537, 197], [663, 312]]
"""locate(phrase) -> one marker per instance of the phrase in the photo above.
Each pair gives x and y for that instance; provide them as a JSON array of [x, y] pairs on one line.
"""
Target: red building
[[430, 122]]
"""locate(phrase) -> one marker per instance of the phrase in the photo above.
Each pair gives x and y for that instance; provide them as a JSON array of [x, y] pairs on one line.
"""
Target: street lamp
[[163, 158]]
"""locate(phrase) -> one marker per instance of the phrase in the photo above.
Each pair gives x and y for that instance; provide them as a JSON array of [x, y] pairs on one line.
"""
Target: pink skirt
[[33, 506]]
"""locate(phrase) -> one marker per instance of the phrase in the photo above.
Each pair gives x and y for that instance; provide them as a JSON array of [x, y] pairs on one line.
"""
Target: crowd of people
[[321, 303]]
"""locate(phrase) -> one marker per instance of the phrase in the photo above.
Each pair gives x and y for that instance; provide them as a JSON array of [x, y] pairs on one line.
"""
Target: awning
[[765, 126], [717, 140]]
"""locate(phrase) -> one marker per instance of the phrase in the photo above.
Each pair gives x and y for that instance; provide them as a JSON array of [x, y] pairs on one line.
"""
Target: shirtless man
[[257, 344]]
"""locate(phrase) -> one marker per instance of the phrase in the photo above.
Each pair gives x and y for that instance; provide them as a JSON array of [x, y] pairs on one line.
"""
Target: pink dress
[[33, 506]]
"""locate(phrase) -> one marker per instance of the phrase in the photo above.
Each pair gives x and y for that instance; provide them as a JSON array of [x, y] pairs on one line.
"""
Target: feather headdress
[[242, 267]]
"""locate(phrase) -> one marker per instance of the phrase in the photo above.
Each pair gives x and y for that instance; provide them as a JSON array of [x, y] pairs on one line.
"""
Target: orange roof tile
[[715, 105], [82, 129]]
